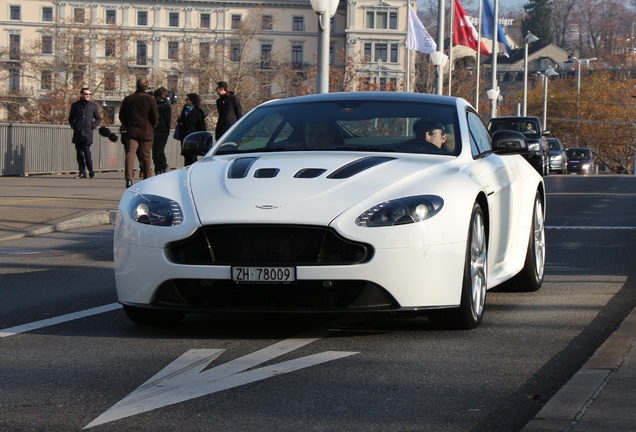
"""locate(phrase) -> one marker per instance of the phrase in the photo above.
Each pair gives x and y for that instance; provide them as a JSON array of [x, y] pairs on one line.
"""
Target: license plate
[[263, 274]]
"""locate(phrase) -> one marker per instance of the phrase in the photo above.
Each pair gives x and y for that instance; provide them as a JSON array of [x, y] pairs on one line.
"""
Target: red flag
[[464, 32]]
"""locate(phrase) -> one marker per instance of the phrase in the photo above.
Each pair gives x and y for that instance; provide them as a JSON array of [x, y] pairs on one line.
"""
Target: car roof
[[521, 118], [374, 95]]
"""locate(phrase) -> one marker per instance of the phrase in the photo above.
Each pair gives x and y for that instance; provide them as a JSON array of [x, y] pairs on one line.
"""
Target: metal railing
[[30, 149]]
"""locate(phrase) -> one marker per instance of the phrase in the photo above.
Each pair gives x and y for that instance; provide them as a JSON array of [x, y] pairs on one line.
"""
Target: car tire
[[530, 278], [470, 312], [144, 316]]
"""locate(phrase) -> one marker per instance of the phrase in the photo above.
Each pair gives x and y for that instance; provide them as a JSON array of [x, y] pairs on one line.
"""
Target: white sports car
[[335, 203]]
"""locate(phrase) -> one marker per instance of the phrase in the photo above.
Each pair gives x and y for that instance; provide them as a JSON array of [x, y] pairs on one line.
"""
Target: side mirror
[[545, 133], [509, 142], [198, 143]]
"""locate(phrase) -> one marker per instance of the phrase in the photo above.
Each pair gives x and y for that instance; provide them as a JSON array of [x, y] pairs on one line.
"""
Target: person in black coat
[[162, 131], [191, 119], [229, 109], [83, 118]]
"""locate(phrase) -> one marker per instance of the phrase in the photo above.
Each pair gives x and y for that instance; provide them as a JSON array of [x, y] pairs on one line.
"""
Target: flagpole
[[494, 87], [450, 46], [441, 5], [479, 21]]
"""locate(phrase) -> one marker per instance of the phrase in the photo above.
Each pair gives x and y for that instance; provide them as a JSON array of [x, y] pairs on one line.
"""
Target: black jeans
[[84, 160], [159, 153]]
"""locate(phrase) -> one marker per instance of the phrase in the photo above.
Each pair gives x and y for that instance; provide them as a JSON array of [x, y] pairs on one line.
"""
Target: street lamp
[[578, 91], [439, 59], [546, 77], [528, 40], [325, 10]]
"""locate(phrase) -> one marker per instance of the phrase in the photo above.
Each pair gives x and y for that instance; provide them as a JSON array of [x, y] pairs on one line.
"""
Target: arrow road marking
[[184, 379]]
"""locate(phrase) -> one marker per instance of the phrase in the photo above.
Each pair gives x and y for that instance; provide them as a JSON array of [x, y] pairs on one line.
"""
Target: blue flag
[[487, 20]]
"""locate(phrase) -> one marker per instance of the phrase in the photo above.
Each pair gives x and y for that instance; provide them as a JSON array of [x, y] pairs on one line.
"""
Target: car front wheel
[[473, 298]]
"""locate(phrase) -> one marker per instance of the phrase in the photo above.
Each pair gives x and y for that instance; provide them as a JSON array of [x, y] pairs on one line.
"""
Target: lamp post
[[528, 40], [493, 59], [325, 9], [441, 18], [546, 77], [578, 91], [439, 59]]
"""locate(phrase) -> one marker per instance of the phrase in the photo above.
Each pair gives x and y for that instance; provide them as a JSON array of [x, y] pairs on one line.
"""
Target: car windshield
[[377, 126], [554, 144], [578, 154], [528, 127]]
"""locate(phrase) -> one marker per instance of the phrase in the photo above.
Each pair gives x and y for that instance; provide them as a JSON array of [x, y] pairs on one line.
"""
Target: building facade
[[187, 45]]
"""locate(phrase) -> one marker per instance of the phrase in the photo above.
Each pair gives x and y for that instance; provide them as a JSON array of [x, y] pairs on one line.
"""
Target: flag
[[487, 19], [464, 32], [417, 38]]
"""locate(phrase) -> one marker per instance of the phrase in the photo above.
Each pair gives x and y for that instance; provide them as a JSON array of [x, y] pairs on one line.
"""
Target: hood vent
[[240, 167], [310, 173], [266, 172], [358, 166]]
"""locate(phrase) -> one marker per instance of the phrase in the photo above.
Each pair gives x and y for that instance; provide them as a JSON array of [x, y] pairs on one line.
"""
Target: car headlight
[[534, 147], [155, 210], [557, 158], [401, 211]]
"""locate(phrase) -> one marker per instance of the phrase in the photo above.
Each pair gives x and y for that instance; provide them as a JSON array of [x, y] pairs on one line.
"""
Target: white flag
[[417, 38]]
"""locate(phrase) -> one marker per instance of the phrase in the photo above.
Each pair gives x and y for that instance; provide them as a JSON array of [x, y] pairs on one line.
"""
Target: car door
[[497, 176]]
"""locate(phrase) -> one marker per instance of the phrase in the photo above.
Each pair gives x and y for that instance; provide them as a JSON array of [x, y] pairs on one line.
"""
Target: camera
[[151, 91]]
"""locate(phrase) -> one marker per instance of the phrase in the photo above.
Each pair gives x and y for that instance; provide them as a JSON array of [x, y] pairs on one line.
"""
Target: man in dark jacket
[[228, 107], [83, 118], [162, 130], [139, 116]]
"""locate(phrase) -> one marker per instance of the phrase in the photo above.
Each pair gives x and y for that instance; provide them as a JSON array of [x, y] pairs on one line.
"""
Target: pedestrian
[[228, 107], [162, 130], [139, 115], [83, 118], [191, 119]]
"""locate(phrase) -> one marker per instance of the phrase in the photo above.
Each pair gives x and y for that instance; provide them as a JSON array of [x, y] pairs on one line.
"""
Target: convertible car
[[366, 202]]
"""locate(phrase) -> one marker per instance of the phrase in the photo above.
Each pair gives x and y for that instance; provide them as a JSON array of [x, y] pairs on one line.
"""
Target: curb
[[569, 405], [103, 217]]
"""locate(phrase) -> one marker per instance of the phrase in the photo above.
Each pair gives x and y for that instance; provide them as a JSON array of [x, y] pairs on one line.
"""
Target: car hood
[[299, 188]]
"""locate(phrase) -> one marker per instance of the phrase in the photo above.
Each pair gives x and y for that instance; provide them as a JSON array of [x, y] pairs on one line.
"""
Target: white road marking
[[183, 379], [58, 320], [566, 227]]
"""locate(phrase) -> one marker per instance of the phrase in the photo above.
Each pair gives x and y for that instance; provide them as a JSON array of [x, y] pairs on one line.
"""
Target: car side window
[[480, 139]]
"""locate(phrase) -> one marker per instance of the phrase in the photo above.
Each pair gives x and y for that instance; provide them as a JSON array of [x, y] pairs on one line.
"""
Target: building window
[[173, 50], [235, 51], [14, 47], [381, 20], [47, 13], [47, 44], [110, 48], [267, 23], [14, 13], [79, 15], [236, 22], [298, 23], [266, 55], [78, 50], [78, 77], [109, 81], [173, 83], [379, 51], [205, 20], [204, 50], [46, 80], [173, 19], [142, 53], [142, 18], [111, 16], [14, 79], [297, 56]]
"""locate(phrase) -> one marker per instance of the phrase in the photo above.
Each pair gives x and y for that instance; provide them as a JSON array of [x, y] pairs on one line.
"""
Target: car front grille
[[280, 245], [203, 295]]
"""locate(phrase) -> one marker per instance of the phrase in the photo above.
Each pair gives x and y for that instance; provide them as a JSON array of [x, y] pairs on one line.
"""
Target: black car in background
[[581, 161], [557, 155], [530, 126]]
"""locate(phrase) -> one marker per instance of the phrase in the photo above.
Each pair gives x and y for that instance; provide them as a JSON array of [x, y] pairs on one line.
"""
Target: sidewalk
[[599, 397]]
